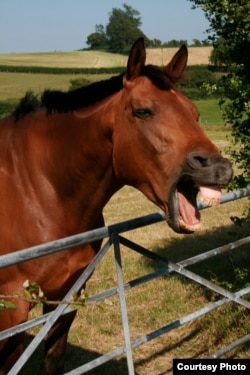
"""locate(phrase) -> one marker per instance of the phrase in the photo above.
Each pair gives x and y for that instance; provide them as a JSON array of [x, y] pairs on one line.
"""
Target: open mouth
[[184, 216]]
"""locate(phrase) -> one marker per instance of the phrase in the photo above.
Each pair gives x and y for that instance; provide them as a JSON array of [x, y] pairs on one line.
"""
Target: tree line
[[123, 28]]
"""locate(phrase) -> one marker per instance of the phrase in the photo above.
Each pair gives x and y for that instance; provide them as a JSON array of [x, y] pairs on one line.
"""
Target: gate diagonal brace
[[179, 268]]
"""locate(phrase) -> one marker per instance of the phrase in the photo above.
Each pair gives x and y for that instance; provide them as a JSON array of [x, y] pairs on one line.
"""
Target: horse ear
[[137, 58], [177, 65]]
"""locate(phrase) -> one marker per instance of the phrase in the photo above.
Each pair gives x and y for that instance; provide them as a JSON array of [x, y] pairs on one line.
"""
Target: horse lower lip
[[183, 214], [188, 227]]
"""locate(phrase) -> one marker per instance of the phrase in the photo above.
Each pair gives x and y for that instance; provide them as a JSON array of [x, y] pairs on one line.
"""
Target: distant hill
[[99, 59]]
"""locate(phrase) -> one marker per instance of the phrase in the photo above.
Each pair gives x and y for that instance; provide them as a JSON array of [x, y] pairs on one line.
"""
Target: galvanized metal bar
[[186, 262], [179, 268], [202, 281], [121, 292], [164, 329], [152, 335], [97, 361], [132, 283], [162, 260], [185, 319], [229, 196], [233, 345], [58, 311], [23, 326], [53, 247], [218, 250], [78, 239], [91, 299], [99, 233]]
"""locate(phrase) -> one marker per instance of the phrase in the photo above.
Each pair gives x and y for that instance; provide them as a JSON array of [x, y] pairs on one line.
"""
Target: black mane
[[59, 101], [85, 96], [29, 103]]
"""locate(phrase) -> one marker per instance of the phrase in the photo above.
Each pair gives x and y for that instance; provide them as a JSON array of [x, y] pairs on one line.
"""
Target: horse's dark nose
[[197, 161], [210, 170]]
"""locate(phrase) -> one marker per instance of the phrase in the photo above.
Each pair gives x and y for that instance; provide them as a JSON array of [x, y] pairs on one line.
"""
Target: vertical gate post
[[121, 292]]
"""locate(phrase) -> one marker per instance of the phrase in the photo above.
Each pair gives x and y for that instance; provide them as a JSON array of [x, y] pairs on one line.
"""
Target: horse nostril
[[196, 160]]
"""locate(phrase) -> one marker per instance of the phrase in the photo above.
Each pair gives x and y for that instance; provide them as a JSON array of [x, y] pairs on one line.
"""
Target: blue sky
[[63, 25]]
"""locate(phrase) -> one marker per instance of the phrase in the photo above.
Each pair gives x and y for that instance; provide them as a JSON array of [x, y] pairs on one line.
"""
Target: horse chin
[[184, 216]]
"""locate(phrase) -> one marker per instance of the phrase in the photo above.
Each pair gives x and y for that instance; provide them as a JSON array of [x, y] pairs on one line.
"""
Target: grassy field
[[15, 85], [210, 112], [97, 328], [97, 59]]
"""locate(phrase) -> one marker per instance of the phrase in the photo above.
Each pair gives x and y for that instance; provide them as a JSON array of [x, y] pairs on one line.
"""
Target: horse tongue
[[189, 214], [210, 195]]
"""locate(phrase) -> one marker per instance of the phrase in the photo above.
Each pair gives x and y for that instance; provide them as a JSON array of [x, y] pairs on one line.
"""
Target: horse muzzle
[[214, 170], [200, 174]]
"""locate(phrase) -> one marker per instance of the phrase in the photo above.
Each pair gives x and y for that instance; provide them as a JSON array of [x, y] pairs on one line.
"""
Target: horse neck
[[83, 170]]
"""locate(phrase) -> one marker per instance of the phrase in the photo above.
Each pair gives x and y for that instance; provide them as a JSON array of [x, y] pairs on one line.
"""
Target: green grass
[[210, 112], [15, 85]]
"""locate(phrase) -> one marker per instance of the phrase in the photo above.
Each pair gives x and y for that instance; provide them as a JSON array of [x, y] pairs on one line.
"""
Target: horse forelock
[[158, 77]]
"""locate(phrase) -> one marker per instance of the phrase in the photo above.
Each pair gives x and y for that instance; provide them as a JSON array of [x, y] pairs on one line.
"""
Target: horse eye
[[143, 113]]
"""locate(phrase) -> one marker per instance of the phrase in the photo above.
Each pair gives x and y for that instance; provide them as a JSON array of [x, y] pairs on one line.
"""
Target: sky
[[64, 25]]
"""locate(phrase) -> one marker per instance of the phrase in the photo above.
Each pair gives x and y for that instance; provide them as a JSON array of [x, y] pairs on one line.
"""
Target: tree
[[220, 55], [121, 31], [98, 39], [196, 43], [154, 43], [123, 28], [175, 43], [230, 34]]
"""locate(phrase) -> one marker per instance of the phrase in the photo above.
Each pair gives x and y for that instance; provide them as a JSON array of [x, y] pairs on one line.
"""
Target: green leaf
[[1, 305], [9, 305], [27, 294]]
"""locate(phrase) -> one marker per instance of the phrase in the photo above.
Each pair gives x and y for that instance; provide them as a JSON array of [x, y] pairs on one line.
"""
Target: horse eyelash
[[143, 113]]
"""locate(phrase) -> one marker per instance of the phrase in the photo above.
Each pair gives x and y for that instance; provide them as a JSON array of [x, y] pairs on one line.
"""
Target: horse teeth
[[211, 202]]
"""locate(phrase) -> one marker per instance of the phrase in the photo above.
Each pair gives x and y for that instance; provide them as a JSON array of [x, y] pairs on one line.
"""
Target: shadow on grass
[[230, 269], [75, 357]]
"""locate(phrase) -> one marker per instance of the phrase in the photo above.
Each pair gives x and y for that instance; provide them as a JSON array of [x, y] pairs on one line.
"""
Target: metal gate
[[113, 237]]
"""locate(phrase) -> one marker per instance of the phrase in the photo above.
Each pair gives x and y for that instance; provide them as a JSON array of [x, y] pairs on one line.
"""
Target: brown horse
[[62, 158]]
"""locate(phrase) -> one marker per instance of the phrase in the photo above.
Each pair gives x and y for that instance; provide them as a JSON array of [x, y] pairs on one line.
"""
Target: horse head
[[159, 146]]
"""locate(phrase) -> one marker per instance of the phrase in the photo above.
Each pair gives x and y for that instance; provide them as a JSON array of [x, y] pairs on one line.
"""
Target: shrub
[[7, 107], [76, 83], [196, 81]]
